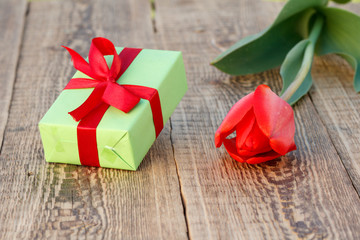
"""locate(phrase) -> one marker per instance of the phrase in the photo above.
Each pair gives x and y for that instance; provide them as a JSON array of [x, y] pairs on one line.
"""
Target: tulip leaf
[[268, 49], [297, 64], [342, 1], [341, 35]]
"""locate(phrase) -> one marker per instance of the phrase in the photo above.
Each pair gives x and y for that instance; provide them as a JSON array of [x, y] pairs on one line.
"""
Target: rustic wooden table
[[184, 188]]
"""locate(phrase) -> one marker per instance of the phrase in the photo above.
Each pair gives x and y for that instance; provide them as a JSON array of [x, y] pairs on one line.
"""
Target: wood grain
[[185, 188], [12, 15], [337, 103], [338, 106], [305, 195], [58, 201]]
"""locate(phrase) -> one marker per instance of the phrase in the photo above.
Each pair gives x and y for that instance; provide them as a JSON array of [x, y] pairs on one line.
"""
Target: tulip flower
[[263, 121], [264, 125]]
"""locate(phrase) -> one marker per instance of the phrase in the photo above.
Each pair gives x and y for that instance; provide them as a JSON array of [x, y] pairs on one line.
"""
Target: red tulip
[[264, 125]]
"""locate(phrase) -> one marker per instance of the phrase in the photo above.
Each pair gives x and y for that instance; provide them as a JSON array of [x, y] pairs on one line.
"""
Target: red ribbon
[[106, 92]]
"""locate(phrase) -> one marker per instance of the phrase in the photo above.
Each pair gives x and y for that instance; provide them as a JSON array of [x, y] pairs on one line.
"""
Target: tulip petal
[[280, 145], [230, 146], [263, 157], [275, 118], [246, 153], [256, 140], [235, 115], [244, 127]]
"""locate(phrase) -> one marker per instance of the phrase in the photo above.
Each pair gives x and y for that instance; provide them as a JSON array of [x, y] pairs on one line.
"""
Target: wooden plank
[[12, 15], [337, 103], [307, 194], [40, 200]]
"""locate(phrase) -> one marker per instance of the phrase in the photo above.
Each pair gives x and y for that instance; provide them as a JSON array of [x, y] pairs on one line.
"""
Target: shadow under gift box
[[123, 139]]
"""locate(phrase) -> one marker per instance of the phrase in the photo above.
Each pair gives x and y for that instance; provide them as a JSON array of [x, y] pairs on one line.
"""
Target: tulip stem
[[307, 60]]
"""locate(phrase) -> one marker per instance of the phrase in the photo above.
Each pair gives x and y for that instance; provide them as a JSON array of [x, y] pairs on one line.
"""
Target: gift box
[[114, 107]]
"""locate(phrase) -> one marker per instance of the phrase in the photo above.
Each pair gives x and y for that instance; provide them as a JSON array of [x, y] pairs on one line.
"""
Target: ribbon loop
[[98, 63], [80, 63]]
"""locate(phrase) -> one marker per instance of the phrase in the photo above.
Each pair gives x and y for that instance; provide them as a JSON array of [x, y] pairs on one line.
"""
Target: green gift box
[[122, 139]]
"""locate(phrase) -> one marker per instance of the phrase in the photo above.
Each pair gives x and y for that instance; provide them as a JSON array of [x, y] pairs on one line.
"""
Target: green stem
[[308, 56]]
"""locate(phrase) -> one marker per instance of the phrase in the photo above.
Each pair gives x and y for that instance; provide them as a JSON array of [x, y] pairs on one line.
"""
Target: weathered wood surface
[[12, 15], [337, 104], [185, 188], [307, 194], [40, 200]]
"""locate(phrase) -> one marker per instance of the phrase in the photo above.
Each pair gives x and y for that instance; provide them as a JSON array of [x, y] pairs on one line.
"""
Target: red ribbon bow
[[106, 92], [104, 79]]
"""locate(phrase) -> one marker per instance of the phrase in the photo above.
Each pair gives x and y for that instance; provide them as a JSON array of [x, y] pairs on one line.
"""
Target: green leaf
[[341, 35], [297, 66], [268, 49], [341, 1]]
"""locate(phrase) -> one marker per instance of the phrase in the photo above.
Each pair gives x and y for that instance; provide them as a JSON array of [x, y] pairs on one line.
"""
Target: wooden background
[[184, 188]]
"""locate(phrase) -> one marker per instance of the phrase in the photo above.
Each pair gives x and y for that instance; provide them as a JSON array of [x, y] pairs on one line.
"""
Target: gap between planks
[[183, 200]]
